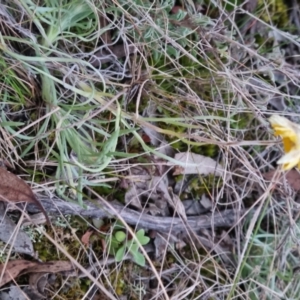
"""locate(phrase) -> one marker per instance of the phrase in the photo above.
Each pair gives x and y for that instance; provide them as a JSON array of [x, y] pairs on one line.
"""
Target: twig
[[227, 218]]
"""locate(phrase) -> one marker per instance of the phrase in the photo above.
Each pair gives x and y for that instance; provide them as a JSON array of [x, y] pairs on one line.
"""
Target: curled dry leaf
[[14, 189], [144, 185], [85, 239], [37, 285], [193, 207], [15, 268], [192, 163], [177, 204]]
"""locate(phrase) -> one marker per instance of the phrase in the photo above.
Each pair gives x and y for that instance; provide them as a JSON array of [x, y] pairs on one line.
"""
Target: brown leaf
[[16, 268], [292, 177], [268, 175], [37, 285], [14, 189], [85, 239], [13, 269], [177, 204], [51, 267]]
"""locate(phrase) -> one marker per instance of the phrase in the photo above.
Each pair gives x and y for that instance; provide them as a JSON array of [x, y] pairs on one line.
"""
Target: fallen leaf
[[15, 268], [146, 138], [192, 163], [206, 202], [14, 189], [21, 241], [85, 239], [292, 178], [269, 175], [177, 204], [14, 293], [193, 207], [37, 285], [145, 187], [162, 242], [51, 267]]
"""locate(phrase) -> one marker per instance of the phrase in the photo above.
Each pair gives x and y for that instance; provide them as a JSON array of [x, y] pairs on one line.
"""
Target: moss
[[274, 11], [195, 186], [75, 289], [206, 150], [117, 278]]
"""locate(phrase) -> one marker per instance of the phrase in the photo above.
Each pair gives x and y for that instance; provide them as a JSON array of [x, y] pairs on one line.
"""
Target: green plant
[[119, 246], [35, 233]]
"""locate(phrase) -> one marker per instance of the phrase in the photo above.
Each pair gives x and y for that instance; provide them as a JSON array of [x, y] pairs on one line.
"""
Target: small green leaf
[[134, 248], [145, 240], [140, 235], [139, 259], [10, 123], [120, 236], [120, 254], [172, 51], [129, 244], [112, 245]]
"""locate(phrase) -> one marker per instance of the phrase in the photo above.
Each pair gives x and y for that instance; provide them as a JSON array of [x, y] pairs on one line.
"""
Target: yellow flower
[[290, 134]]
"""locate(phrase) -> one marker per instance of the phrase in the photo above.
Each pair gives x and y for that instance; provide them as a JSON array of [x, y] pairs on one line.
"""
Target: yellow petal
[[285, 132], [280, 121], [290, 160], [289, 131], [288, 144], [285, 128]]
